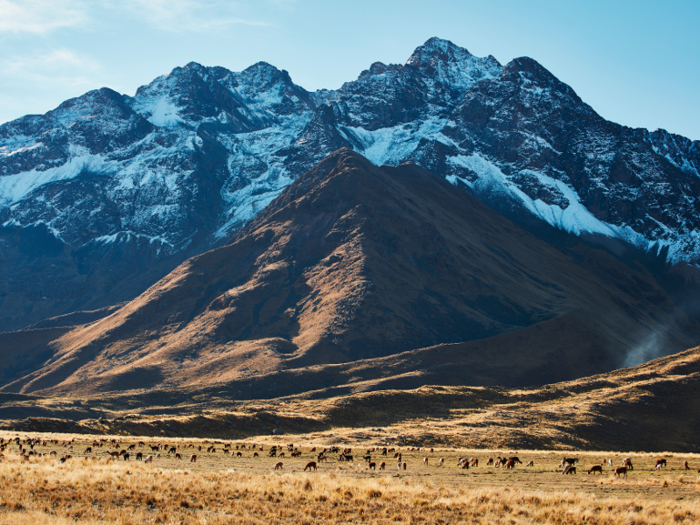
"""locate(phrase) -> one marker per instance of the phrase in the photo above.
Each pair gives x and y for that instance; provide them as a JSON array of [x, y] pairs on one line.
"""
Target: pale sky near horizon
[[635, 62]]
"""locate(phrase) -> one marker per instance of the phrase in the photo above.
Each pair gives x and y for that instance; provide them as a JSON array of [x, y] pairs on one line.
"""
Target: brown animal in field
[[595, 468], [296, 454], [404, 465], [149, 459], [311, 465], [239, 454], [515, 459], [685, 465], [177, 455], [372, 465], [313, 450], [88, 450], [126, 456], [382, 466], [489, 462], [659, 464], [193, 458], [255, 455], [627, 463], [570, 469], [620, 471], [281, 454], [63, 459], [474, 462], [114, 454], [530, 464], [278, 466], [568, 461], [442, 461], [510, 464], [425, 461], [139, 456]]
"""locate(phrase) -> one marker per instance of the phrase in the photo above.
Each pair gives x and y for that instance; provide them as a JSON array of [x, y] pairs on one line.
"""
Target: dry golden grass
[[219, 488]]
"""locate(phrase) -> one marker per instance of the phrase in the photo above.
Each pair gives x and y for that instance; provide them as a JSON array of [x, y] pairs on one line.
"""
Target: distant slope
[[651, 407], [352, 262]]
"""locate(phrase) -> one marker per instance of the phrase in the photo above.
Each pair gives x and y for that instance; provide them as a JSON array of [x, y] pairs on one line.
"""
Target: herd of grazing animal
[[115, 450]]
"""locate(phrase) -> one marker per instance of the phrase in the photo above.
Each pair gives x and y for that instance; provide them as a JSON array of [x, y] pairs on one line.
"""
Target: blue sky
[[635, 62]]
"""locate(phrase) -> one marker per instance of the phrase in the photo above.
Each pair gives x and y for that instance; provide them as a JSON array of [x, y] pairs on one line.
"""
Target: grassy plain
[[221, 488]]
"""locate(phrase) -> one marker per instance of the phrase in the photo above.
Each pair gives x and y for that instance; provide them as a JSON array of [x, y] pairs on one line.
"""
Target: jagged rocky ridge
[[106, 193]]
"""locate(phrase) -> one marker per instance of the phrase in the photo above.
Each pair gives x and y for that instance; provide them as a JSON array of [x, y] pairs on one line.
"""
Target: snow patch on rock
[[575, 218], [161, 112], [14, 188], [392, 145]]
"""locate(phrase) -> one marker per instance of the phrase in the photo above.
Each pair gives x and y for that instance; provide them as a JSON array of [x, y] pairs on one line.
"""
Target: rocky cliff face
[[105, 194]]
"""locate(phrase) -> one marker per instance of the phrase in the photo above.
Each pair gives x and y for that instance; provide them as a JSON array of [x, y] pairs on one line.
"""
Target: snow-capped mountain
[[112, 184]]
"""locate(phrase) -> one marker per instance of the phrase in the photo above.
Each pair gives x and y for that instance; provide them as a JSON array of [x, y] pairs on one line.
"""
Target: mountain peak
[[529, 66], [528, 71], [262, 76], [452, 65], [438, 50], [194, 66]]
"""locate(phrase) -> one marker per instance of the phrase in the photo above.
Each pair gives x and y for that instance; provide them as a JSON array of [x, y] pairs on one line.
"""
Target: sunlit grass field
[[221, 487]]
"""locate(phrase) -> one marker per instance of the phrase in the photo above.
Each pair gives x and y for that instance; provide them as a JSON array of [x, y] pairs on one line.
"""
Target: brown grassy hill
[[357, 262], [651, 407]]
